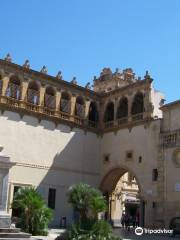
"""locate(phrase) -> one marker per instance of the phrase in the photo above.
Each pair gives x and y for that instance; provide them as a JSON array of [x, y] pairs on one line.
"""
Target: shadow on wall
[[72, 163], [33, 121], [64, 156]]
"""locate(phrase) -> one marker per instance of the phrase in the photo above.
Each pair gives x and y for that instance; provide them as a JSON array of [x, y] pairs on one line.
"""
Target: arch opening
[[122, 111], [33, 93], [93, 114], [50, 98], [123, 195], [65, 102], [14, 87], [109, 112], [79, 107], [138, 104]]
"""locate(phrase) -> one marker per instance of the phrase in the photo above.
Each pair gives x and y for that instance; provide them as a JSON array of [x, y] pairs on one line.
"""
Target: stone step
[[19, 235], [17, 239], [9, 230]]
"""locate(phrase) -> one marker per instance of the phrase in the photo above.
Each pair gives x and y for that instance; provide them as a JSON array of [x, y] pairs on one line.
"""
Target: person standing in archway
[[123, 220]]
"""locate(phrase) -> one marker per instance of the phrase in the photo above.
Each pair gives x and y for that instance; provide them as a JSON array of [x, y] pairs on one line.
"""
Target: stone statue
[[44, 70], [8, 58], [74, 81], [147, 75], [59, 75], [94, 79], [26, 64], [88, 86]]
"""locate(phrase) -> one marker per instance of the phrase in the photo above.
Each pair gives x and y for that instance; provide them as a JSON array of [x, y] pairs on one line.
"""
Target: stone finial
[[44, 70], [26, 64], [139, 79], [147, 75], [74, 81], [59, 75], [8, 58], [88, 86], [94, 79]]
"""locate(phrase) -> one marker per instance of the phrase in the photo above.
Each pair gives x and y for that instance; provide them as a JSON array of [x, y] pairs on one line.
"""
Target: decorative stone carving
[[106, 71], [8, 58], [26, 64], [129, 75], [44, 70]]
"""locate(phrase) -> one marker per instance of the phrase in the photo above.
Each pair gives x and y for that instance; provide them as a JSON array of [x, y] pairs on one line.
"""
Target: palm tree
[[34, 215]]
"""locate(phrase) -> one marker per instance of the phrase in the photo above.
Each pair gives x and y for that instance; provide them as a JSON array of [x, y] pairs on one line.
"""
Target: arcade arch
[[123, 193]]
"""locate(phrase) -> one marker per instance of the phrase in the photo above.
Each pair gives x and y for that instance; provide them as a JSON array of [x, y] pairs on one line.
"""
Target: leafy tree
[[34, 214]]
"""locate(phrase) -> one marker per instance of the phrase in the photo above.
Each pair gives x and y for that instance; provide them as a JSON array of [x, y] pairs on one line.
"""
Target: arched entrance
[[123, 193]]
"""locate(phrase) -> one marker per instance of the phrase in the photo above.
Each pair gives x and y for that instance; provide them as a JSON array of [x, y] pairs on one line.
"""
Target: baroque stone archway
[[109, 183]]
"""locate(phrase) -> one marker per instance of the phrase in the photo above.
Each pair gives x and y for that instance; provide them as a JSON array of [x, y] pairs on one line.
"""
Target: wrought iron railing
[[13, 91], [49, 101], [79, 110], [65, 105], [33, 96]]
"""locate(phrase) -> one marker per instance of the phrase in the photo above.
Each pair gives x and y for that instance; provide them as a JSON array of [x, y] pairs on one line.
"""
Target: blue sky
[[80, 37]]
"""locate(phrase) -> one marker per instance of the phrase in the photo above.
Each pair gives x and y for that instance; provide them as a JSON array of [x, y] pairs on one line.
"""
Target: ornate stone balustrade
[[170, 139], [27, 91], [137, 117], [122, 121]]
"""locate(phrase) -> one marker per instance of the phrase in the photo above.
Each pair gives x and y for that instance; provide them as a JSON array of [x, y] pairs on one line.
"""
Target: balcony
[[170, 139], [109, 124], [137, 117], [122, 121]]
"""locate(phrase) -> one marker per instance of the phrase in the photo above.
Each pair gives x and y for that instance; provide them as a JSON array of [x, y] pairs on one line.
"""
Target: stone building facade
[[57, 133]]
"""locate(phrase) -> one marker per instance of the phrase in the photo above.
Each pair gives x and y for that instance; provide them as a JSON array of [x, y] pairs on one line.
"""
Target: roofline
[[171, 104], [69, 84], [47, 76]]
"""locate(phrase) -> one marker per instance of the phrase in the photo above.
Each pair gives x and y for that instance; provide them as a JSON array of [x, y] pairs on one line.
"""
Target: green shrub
[[100, 230], [34, 214]]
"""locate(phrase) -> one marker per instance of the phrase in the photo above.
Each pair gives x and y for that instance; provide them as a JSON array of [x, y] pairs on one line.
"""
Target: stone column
[[73, 102], [86, 112], [5, 85], [24, 90], [5, 165], [58, 99], [41, 97], [130, 102]]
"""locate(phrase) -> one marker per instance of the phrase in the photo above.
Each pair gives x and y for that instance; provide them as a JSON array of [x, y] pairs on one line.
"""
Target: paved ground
[[125, 235]]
